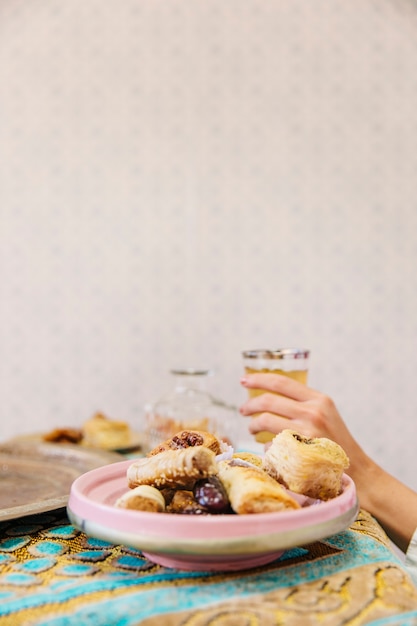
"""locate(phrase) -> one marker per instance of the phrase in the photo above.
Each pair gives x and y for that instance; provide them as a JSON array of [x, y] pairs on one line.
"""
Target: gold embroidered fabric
[[53, 575]]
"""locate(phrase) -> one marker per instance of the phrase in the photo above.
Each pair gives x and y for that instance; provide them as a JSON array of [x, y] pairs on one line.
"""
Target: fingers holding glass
[[267, 422], [272, 372], [276, 383]]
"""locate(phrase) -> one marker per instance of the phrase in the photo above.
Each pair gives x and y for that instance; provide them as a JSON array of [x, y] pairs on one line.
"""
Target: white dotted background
[[184, 179]]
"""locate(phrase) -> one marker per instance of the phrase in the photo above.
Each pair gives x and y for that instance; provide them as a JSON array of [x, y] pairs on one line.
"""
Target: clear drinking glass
[[291, 362]]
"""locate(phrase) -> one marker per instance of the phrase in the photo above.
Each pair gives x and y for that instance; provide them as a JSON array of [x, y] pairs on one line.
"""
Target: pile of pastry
[[99, 431], [195, 473]]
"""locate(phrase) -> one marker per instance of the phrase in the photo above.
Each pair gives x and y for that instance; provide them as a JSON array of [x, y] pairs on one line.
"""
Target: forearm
[[391, 502]]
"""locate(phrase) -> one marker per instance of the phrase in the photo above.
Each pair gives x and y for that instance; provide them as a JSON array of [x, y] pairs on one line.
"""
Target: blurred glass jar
[[189, 406]]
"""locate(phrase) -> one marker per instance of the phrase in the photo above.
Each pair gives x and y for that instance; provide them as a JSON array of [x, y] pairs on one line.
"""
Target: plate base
[[203, 563]]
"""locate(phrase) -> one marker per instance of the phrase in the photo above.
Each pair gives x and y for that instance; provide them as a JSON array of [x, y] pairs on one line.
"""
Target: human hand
[[287, 403]]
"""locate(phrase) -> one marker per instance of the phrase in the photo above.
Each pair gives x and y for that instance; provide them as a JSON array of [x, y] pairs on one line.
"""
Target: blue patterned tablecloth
[[51, 574]]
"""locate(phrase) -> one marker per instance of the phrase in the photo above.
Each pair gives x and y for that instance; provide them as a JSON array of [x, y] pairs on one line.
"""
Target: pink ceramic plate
[[214, 542]]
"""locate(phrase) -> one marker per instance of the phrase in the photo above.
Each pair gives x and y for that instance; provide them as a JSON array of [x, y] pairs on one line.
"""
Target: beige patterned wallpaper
[[184, 179]]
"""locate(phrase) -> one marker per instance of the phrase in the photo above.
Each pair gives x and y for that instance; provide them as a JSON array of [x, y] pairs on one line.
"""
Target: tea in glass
[[291, 362]]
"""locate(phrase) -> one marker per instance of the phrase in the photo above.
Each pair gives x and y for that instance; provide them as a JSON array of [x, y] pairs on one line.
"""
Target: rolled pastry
[[252, 490], [187, 439], [309, 466], [142, 498], [173, 468]]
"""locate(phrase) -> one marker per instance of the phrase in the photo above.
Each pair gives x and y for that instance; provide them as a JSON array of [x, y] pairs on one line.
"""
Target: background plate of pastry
[[36, 476], [99, 432], [202, 542]]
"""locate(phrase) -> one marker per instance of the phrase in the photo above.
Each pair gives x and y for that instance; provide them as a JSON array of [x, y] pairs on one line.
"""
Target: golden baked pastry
[[173, 468], [63, 435], [186, 439], [102, 432], [142, 498], [309, 466], [184, 503], [252, 490], [249, 457]]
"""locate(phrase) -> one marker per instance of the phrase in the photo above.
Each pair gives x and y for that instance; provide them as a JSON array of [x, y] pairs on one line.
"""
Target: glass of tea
[[291, 362]]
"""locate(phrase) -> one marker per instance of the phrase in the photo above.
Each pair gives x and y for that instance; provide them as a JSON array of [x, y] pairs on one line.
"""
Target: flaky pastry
[[63, 435], [184, 503], [248, 457], [309, 466], [252, 490], [177, 468], [101, 432]]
